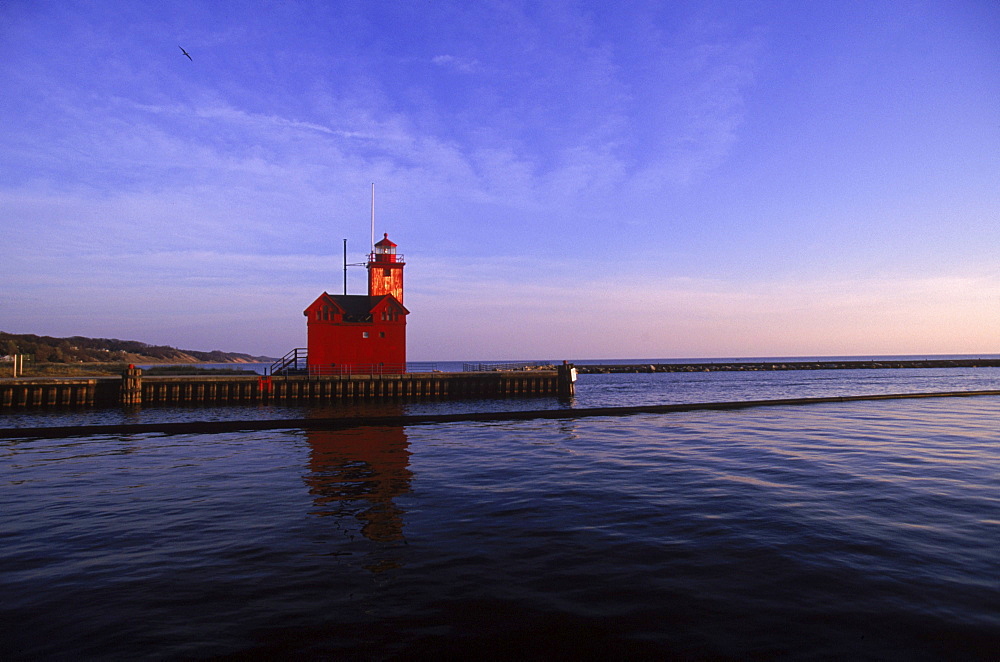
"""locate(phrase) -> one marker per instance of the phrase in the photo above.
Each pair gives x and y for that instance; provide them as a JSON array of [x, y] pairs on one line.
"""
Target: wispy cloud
[[460, 64], [552, 168]]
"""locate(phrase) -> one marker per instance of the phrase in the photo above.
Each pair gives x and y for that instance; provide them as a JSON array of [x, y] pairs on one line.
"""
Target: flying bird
[[185, 53]]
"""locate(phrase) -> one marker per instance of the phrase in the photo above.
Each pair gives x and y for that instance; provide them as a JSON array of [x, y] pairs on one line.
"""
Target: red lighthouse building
[[361, 334]]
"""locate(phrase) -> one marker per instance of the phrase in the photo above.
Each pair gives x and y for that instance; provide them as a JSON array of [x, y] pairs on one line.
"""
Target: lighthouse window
[[387, 272], [364, 334], [381, 334]]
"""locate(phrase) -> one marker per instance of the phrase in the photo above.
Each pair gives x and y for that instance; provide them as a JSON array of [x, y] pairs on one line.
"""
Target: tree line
[[78, 349]]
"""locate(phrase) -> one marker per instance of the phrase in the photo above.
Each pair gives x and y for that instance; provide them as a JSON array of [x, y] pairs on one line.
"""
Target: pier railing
[[357, 369], [370, 369], [296, 362]]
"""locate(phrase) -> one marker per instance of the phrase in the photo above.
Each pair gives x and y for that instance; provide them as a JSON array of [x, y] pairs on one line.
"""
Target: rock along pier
[[741, 366]]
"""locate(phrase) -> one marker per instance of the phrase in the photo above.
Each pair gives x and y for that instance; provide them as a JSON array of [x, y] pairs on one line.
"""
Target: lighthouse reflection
[[359, 471]]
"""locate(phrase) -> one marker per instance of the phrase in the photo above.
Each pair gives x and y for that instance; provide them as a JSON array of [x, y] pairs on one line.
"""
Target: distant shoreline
[[100, 369]]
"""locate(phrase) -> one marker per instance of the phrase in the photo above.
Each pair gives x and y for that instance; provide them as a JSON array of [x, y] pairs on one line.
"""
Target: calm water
[[835, 531]]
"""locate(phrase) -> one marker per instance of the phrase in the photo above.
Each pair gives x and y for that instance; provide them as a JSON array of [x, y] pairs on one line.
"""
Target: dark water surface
[[864, 530], [597, 390]]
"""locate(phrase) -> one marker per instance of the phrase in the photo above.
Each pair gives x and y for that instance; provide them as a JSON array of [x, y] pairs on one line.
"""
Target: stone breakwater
[[746, 366]]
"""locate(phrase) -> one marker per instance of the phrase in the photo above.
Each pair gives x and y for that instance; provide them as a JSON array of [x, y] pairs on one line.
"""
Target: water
[[617, 390], [863, 530]]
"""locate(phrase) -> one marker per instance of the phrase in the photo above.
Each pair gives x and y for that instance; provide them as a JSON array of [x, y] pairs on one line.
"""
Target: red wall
[[344, 344]]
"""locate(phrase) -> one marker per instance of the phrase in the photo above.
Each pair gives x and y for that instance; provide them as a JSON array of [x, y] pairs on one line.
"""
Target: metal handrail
[[373, 259], [296, 359], [357, 369]]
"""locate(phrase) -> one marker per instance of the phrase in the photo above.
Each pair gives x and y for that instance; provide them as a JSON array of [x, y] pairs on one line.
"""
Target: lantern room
[[385, 250]]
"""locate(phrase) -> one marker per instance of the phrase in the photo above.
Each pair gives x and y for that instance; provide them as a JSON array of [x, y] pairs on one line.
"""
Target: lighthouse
[[361, 334]]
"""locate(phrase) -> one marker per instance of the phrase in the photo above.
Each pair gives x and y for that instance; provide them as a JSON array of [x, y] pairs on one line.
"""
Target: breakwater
[[347, 422], [133, 388], [750, 366]]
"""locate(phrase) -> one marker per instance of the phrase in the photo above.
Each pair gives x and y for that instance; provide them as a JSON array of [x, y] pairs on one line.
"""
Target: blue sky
[[565, 179]]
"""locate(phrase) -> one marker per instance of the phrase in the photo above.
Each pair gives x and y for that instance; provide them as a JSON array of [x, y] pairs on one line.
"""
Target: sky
[[566, 180]]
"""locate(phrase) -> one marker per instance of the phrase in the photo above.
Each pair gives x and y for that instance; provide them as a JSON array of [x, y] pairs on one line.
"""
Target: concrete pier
[[132, 388]]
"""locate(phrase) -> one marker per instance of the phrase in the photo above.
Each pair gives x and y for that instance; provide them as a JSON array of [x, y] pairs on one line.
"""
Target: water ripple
[[837, 531]]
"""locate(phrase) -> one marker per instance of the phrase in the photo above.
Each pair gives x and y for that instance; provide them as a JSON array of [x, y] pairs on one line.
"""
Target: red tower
[[385, 270], [361, 334]]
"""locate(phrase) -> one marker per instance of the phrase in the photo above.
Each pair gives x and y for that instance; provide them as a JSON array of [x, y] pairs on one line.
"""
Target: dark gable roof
[[354, 304], [358, 308]]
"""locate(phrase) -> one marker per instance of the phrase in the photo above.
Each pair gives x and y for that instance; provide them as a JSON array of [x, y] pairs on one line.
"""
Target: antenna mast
[[371, 254]]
